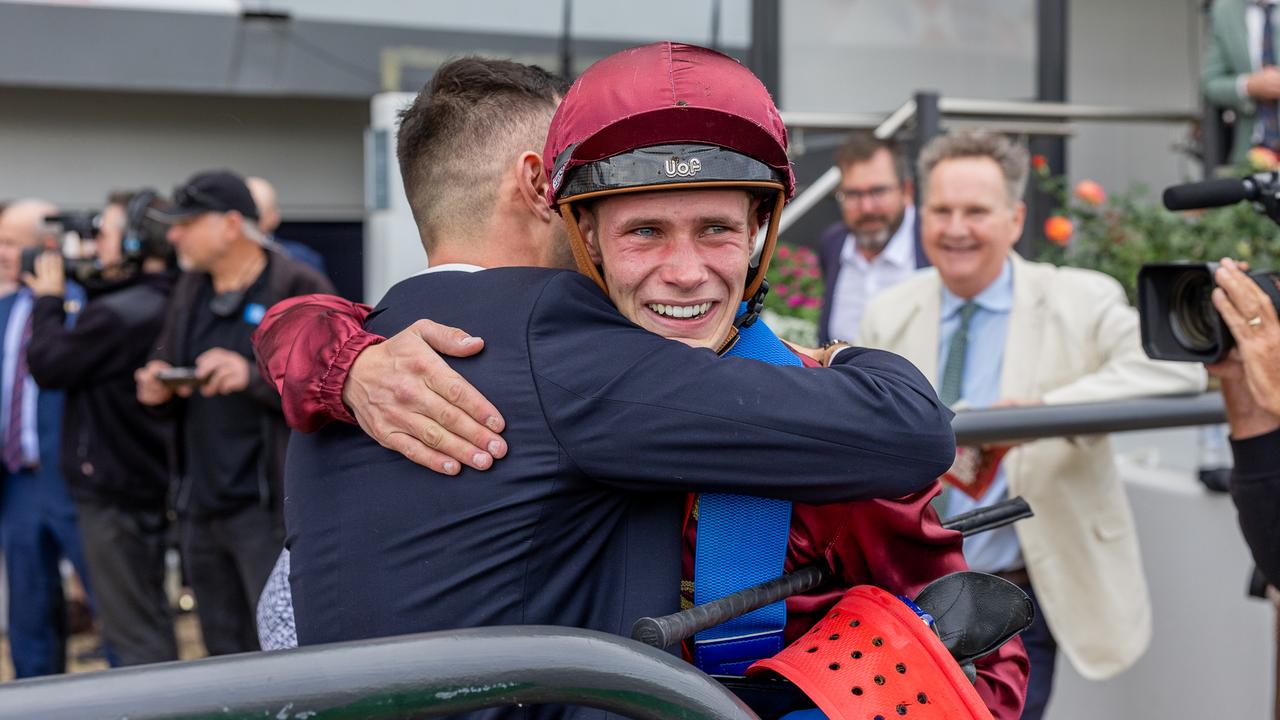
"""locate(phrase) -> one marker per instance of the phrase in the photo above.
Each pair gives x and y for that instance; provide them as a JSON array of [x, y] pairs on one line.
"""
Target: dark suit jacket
[[609, 425], [829, 260]]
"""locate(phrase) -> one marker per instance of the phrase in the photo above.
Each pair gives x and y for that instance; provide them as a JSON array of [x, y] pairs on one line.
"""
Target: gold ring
[[1255, 321]]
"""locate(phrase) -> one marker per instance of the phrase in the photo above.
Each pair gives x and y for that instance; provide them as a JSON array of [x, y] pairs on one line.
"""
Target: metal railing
[[464, 670], [929, 111], [426, 675], [979, 427]]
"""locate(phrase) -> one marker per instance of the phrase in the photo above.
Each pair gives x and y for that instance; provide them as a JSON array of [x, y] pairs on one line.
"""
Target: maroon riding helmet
[[668, 116]]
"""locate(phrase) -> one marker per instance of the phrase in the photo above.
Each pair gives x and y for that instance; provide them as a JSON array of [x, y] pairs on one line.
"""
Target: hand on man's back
[[405, 396]]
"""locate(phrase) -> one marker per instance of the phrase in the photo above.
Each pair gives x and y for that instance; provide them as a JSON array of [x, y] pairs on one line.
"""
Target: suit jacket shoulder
[[884, 312]]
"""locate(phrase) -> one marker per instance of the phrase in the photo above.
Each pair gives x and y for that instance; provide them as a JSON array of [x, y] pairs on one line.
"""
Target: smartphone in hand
[[180, 377]]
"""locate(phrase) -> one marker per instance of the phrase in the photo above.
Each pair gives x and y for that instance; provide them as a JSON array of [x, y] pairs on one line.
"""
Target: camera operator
[[1250, 377], [114, 451]]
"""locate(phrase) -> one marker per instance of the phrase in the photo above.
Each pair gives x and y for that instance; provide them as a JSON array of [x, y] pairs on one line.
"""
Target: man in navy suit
[[37, 517], [876, 244], [609, 424]]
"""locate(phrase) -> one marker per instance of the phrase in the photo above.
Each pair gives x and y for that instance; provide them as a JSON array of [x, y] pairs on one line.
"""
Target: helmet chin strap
[[581, 257], [754, 306]]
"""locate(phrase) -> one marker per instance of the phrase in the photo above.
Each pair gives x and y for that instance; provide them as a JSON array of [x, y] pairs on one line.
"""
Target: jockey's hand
[[404, 395]]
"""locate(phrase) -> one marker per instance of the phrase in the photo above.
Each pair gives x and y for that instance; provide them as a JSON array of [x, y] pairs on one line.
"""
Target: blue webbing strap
[[742, 541]]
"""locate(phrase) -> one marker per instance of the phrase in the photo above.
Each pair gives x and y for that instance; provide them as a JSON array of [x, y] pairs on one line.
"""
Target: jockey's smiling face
[[675, 262]]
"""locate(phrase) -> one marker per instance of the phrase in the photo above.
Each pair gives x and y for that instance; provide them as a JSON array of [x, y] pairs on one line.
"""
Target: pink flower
[[795, 301], [783, 252], [812, 302], [814, 272], [782, 290]]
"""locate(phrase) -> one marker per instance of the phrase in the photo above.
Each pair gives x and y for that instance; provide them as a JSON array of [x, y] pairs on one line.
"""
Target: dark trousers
[[1042, 652], [228, 560], [37, 529], [125, 551]]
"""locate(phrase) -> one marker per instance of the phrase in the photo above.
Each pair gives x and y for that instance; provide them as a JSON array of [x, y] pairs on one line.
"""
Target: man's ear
[[531, 185], [233, 224], [587, 226], [1019, 217]]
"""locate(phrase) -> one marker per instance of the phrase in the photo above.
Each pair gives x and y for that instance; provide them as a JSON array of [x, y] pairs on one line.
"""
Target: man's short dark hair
[[463, 130], [861, 145]]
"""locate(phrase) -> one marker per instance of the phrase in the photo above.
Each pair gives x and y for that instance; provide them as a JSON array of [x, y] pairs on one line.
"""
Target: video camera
[[1178, 319], [143, 237]]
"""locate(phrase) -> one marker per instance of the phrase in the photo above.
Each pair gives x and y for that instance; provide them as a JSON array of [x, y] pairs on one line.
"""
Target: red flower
[[1091, 192], [1039, 163], [1058, 230]]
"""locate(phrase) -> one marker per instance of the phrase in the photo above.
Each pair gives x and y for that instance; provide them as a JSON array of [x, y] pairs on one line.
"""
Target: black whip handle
[[989, 518], [663, 632]]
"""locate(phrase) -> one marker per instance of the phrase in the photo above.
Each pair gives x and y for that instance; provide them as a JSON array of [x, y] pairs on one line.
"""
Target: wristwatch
[[830, 348]]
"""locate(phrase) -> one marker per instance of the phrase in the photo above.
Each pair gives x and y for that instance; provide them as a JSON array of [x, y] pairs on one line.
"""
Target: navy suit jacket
[[608, 425], [829, 260]]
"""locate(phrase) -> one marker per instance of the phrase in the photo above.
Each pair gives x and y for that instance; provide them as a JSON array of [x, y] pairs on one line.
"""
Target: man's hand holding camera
[[1250, 374], [50, 278]]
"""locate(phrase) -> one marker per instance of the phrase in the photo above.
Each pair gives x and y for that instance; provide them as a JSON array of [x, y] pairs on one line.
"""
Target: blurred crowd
[[131, 401]]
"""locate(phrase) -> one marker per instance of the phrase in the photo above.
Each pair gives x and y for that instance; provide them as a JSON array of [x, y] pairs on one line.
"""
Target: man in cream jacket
[[990, 328]]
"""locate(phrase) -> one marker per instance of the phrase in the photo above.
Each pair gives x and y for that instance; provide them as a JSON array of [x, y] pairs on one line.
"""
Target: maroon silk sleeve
[[900, 546], [305, 347]]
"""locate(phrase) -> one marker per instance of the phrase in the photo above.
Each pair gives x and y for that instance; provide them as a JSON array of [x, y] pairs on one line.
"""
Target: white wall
[[843, 56], [684, 20], [72, 147], [1141, 53]]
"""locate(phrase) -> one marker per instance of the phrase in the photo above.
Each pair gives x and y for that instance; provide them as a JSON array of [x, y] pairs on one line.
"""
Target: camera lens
[[1192, 316]]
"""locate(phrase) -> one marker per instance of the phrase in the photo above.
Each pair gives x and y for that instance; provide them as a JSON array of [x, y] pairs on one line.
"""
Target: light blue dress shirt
[[995, 550]]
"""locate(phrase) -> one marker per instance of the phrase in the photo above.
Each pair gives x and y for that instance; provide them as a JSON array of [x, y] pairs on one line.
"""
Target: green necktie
[[953, 373], [953, 385]]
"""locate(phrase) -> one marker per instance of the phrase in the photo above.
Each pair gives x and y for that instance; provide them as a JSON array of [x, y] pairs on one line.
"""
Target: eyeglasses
[[874, 194]]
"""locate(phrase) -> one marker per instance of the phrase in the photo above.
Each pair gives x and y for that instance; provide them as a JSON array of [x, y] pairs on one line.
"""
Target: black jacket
[[113, 451], [285, 278], [608, 426], [1255, 488]]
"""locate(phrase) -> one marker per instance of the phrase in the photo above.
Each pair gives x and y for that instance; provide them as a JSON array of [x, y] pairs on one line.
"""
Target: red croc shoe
[[873, 658]]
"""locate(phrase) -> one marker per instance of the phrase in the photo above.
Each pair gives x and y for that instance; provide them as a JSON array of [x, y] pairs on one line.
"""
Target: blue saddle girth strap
[[742, 541]]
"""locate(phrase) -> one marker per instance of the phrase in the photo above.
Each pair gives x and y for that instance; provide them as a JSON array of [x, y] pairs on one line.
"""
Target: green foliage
[[1130, 228]]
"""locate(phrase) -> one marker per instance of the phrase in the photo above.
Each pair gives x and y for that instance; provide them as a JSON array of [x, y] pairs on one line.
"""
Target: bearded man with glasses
[[876, 244]]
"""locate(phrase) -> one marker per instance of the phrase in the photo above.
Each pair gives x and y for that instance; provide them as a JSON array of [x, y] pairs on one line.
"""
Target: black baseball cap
[[208, 191]]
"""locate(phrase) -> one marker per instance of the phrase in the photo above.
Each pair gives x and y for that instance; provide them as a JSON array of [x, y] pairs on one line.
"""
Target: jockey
[[660, 123]]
